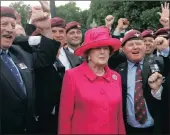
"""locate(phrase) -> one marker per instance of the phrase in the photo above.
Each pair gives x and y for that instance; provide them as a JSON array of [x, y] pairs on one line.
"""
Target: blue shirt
[[164, 52], [131, 120]]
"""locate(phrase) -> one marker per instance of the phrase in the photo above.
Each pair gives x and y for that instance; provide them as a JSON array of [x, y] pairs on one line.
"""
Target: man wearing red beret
[[58, 29], [74, 39], [141, 97], [17, 72], [163, 49], [148, 38]]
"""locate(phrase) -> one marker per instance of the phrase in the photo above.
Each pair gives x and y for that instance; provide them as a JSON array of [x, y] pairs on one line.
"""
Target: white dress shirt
[[63, 58]]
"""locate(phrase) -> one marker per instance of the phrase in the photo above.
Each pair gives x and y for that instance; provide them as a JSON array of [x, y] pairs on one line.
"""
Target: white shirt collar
[[71, 50]]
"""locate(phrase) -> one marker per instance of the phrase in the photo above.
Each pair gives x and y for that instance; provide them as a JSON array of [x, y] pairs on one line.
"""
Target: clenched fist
[[155, 81], [109, 20], [161, 43]]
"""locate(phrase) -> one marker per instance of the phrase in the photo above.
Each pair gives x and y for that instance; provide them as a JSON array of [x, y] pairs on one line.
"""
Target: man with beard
[[17, 84], [148, 38], [74, 39]]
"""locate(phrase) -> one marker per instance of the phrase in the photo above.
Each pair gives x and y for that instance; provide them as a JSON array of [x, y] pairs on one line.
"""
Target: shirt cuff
[[158, 94], [34, 40], [165, 52]]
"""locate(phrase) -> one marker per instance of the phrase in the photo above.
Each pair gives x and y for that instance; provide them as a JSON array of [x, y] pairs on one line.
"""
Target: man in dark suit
[[74, 39], [17, 84], [140, 99], [162, 42]]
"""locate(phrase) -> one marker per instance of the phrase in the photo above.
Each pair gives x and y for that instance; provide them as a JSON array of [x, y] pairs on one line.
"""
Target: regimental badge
[[137, 35], [22, 66], [114, 77], [78, 26]]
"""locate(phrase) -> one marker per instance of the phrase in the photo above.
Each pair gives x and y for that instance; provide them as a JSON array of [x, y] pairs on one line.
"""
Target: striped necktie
[[139, 103]]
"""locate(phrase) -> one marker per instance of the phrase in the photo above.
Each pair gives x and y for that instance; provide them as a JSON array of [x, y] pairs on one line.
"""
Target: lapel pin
[[114, 77], [22, 66], [121, 69]]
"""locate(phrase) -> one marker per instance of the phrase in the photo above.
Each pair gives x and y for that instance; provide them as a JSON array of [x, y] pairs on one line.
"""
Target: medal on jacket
[[114, 77], [22, 66]]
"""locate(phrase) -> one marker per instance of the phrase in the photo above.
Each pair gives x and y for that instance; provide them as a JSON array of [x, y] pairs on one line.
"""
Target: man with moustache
[[74, 39], [148, 38], [17, 73], [140, 99]]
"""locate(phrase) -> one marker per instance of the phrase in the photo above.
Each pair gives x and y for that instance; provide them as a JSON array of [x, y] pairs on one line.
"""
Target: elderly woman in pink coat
[[91, 97]]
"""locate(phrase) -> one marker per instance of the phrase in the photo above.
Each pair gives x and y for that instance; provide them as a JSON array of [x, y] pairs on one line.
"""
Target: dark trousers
[[134, 130]]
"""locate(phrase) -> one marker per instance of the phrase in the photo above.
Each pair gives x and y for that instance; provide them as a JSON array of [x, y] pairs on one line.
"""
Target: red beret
[[163, 31], [148, 33], [8, 12], [58, 22], [134, 34], [72, 25]]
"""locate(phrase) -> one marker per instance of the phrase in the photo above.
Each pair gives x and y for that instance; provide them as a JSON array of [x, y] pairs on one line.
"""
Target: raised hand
[[161, 43], [164, 16], [45, 6], [123, 23], [109, 20]]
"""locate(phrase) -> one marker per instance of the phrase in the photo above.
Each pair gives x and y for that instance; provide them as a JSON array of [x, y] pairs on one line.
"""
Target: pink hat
[[97, 37], [148, 33]]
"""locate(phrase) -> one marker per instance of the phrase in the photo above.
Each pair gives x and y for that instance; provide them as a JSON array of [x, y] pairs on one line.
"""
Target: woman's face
[[99, 56]]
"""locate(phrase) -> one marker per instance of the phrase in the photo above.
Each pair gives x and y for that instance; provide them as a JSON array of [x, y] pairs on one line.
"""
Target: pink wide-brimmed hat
[[97, 37]]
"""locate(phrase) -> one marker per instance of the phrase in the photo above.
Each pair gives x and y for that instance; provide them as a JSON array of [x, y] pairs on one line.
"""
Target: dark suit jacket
[[17, 110], [73, 59], [165, 99], [152, 103]]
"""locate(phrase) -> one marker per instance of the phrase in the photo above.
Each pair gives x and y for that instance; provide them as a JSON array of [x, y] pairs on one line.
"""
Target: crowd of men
[[33, 62]]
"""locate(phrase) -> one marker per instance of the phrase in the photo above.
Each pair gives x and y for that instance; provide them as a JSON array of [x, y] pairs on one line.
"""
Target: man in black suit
[[73, 39], [17, 84], [162, 43], [140, 99]]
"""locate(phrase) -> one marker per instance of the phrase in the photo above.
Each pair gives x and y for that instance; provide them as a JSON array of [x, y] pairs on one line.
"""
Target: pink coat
[[91, 104]]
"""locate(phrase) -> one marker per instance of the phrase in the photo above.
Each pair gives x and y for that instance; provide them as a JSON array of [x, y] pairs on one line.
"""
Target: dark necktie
[[9, 63], [140, 108]]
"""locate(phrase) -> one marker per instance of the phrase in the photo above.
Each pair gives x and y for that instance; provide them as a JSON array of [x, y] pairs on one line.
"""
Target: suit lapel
[[25, 74], [74, 60], [146, 70], [11, 80], [123, 72]]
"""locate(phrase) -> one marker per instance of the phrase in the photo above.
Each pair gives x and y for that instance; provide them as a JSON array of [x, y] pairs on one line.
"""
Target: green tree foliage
[[141, 14], [23, 9], [70, 12]]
